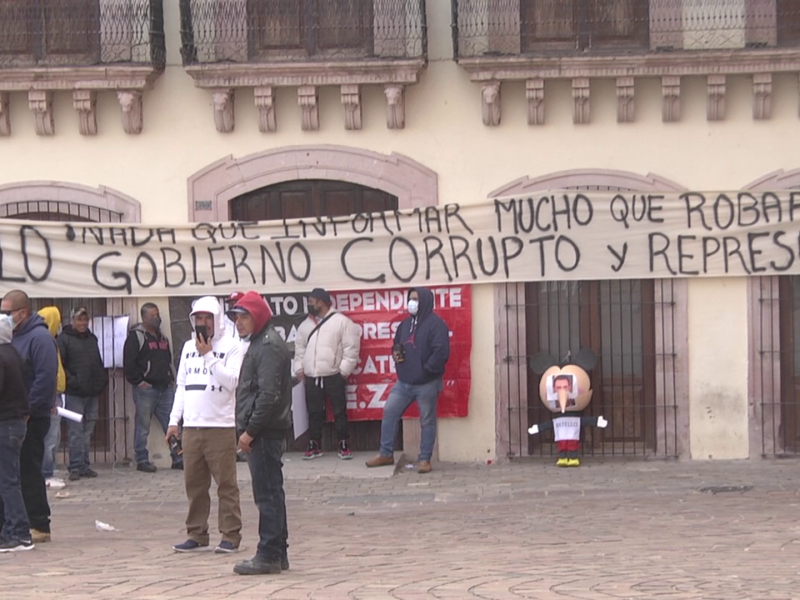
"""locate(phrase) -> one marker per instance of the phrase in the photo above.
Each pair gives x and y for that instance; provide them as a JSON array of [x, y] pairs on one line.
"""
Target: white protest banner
[[567, 235]]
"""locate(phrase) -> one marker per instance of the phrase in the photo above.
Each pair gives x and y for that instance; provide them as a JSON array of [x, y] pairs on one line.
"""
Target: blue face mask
[[413, 307]]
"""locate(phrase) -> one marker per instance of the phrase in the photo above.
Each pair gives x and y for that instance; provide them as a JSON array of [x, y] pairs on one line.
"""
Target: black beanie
[[321, 295]]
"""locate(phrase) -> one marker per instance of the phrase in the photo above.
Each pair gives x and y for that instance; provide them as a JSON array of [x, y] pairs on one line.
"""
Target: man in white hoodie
[[326, 352], [205, 398]]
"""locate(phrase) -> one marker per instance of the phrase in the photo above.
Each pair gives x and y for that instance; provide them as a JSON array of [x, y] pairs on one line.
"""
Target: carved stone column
[[130, 101], [265, 102], [580, 101], [395, 105], [41, 103], [625, 104], [351, 100], [224, 116], [762, 95], [670, 99], [490, 103], [715, 107], [308, 100], [85, 102], [5, 117], [534, 92]]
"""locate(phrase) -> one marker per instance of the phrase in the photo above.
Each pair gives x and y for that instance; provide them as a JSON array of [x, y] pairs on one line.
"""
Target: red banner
[[378, 313]]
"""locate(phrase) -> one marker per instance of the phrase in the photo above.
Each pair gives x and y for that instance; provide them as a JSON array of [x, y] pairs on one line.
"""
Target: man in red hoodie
[[263, 416]]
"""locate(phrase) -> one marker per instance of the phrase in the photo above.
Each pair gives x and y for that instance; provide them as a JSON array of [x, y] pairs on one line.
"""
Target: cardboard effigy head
[[564, 387]]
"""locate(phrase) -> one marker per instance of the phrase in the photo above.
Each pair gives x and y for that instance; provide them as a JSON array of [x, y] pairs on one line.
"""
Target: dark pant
[[80, 434], [150, 402], [15, 518], [317, 389], [34, 492], [266, 473]]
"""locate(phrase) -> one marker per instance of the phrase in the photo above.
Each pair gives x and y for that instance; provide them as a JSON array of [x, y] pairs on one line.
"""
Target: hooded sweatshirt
[[150, 361], [37, 348], [205, 394], [13, 397], [80, 352], [52, 316], [426, 343]]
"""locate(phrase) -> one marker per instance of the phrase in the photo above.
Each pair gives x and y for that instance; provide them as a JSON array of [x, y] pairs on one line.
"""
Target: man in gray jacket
[[263, 416]]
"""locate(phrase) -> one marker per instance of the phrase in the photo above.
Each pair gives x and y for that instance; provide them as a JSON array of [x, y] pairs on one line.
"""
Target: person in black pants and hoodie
[[421, 350], [37, 349], [147, 361], [14, 412]]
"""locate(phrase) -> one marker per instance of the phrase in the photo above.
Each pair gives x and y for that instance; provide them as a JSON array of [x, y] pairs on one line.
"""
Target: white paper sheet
[[299, 410]]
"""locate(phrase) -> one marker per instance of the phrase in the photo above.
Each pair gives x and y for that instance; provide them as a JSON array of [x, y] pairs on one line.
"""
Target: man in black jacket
[[263, 415], [421, 351], [147, 361], [86, 379]]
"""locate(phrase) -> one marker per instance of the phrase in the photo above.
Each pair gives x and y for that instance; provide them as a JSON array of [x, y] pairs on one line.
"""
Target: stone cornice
[[292, 74], [728, 62], [105, 77]]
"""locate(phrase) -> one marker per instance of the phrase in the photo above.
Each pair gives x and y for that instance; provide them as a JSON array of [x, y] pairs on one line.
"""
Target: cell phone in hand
[[202, 332]]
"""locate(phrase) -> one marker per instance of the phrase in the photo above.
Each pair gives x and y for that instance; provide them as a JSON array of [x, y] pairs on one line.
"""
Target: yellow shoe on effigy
[[562, 462], [574, 462]]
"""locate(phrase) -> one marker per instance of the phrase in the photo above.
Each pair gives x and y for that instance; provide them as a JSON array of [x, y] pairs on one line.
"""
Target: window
[[52, 32], [309, 28], [583, 24]]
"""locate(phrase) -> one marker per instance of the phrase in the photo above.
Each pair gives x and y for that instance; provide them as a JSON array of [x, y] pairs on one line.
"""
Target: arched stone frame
[[670, 310], [212, 188], [764, 340], [99, 204]]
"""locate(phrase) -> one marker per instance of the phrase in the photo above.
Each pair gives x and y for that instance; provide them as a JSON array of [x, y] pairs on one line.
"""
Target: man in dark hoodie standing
[[263, 415], [147, 361], [37, 349], [421, 350], [86, 379]]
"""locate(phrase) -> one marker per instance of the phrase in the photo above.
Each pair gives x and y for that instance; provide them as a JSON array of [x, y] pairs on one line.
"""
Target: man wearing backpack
[[147, 361]]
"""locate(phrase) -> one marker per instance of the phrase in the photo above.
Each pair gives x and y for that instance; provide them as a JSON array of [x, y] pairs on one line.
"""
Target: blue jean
[[15, 524], [400, 398], [51, 444], [80, 434], [149, 402], [267, 476]]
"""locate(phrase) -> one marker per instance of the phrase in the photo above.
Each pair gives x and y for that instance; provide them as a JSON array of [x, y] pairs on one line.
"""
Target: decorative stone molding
[[670, 99], [394, 75], [212, 188], [580, 101], [308, 99], [41, 103], [351, 100], [715, 108], [395, 105], [265, 102], [762, 96], [87, 80], [5, 116], [490, 103], [777, 180], [68, 198], [625, 105], [534, 92], [224, 116], [130, 102], [85, 102], [584, 178]]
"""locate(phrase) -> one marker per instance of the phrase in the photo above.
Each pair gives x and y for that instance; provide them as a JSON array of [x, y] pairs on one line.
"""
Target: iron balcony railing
[[260, 31], [568, 27], [68, 33]]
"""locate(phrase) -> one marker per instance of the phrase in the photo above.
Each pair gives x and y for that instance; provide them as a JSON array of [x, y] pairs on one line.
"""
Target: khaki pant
[[211, 452]]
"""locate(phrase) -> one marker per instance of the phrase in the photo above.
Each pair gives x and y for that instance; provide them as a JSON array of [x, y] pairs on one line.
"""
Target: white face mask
[[413, 307]]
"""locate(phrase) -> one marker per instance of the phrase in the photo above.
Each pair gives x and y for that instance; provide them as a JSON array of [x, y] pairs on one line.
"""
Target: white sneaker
[[54, 483]]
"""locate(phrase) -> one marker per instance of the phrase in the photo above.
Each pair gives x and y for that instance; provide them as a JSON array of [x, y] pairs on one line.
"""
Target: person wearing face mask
[[326, 353], [147, 362], [421, 350], [37, 348]]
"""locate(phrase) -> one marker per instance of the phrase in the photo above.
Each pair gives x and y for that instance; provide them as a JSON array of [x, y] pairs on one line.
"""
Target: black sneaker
[[344, 450], [146, 467], [89, 473], [16, 545], [74, 476], [257, 566]]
